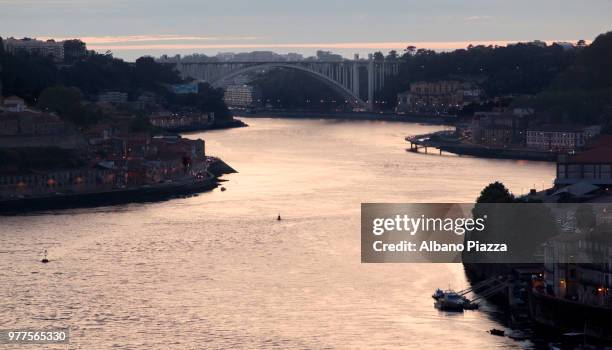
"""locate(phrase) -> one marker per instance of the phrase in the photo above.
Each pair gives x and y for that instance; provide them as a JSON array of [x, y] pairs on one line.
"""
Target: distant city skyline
[[134, 28]]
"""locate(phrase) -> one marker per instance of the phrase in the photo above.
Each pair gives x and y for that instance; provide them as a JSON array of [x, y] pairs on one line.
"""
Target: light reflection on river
[[218, 271]]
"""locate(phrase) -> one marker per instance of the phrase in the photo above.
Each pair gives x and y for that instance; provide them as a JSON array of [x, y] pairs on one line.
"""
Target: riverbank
[[135, 194], [234, 123], [391, 117], [437, 140]]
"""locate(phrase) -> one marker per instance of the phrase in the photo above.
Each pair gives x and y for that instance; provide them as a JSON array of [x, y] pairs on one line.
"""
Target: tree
[[66, 102], [392, 56], [378, 56], [410, 50], [495, 192], [582, 92], [59, 99]]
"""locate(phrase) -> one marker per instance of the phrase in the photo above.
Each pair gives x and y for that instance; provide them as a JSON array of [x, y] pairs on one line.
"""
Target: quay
[[439, 141]]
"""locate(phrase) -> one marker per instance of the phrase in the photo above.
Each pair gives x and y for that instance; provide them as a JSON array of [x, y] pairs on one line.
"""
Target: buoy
[[278, 217], [222, 189], [44, 259]]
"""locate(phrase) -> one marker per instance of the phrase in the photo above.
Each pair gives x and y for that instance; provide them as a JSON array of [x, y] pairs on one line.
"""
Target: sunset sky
[[137, 27]]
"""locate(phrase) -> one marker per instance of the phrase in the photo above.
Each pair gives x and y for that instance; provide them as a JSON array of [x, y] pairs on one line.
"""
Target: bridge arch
[[352, 98]]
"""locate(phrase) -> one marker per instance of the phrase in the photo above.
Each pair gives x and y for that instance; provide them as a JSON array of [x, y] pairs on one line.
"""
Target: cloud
[[478, 18]]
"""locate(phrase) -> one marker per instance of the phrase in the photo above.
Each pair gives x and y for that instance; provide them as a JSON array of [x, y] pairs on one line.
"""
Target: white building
[[51, 48], [560, 138], [242, 96]]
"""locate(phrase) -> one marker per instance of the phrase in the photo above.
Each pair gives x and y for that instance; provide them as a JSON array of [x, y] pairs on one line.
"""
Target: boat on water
[[451, 301], [497, 332], [447, 299]]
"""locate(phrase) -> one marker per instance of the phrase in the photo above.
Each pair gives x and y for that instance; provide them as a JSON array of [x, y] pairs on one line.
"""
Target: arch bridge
[[346, 77]]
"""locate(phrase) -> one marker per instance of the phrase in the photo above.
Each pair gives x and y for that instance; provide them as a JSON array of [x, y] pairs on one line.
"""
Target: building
[[580, 282], [30, 124], [113, 97], [560, 138], [51, 48], [499, 128], [13, 104], [328, 56], [74, 50], [592, 166], [242, 96], [41, 183], [495, 135], [178, 122], [30, 129], [437, 97]]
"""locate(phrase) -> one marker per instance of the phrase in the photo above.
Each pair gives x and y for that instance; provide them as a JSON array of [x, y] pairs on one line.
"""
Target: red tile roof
[[599, 152]]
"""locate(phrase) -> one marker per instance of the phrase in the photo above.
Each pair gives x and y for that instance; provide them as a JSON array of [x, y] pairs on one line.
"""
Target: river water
[[218, 271]]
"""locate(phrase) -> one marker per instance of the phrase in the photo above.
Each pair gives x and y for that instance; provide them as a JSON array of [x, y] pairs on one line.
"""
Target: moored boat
[[451, 301]]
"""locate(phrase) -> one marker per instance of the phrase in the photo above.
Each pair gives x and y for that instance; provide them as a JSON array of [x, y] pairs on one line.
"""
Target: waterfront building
[[437, 97], [592, 166], [183, 121], [69, 180], [242, 96], [560, 138], [498, 128], [583, 283], [51, 48]]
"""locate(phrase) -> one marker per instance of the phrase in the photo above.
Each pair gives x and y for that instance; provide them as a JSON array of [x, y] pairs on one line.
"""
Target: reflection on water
[[218, 271]]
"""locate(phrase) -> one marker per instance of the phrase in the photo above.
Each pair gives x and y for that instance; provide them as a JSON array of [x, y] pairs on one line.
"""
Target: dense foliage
[[583, 92], [28, 76], [524, 68]]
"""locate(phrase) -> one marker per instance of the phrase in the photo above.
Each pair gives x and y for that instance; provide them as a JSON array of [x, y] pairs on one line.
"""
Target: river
[[219, 271]]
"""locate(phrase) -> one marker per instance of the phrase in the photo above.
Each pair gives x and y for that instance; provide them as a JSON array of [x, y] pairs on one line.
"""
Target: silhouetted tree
[[495, 192], [392, 56], [379, 56]]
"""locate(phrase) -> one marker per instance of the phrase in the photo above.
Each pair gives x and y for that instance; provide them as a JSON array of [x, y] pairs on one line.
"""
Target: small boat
[[451, 301], [278, 218], [497, 332], [44, 259]]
